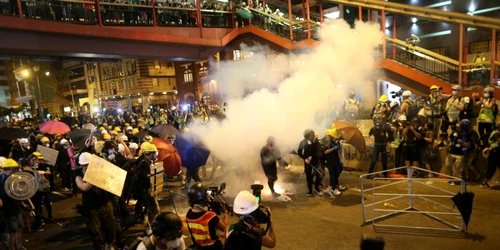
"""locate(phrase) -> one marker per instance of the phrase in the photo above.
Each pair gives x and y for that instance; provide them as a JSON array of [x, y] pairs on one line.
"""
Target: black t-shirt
[[455, 147], [239, 239], [10, 206], [95, 198], [212, 224], [380, 134]]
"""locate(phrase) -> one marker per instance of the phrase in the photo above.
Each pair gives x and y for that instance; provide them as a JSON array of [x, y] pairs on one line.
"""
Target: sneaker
[[452, 183], [318, 191], [336, 192], [288, 167], [276, 194], [65, 189], [341, 188], [39, 229], [485, 185], [310, 193]]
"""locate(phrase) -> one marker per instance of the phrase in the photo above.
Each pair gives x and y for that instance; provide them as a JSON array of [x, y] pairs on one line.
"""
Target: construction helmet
[[167, 224], [124, 138], [148, 138], [402, 118], [114, 132], [130, 128], [334, 133], [456, 87], [10, 163], [328, 131], [149, 148], [133, 145], [64, 142], [84, 158], [135, 131], [245, 203], [407, 93], [127, 124], [121, 148], [39, 136], [489, 89], [106, 137], [383, 98], [434, 87], [118, 129], [37, 155], [23, 141], [102, 128], [103, 132], [197, 194], [45, 139]]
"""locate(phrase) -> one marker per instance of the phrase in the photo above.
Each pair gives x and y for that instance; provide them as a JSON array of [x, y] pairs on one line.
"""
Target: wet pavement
[[317, 222]]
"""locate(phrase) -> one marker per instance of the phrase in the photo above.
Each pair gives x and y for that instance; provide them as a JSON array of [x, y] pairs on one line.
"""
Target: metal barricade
[[411, 183]]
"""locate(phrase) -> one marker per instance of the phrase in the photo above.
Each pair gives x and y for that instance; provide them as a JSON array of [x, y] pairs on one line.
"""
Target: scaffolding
[[391, 194]]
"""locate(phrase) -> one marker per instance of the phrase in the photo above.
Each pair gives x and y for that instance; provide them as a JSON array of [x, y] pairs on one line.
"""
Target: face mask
[[47, 145], [172, 244], [454, 92], [434, 94], [111, 157], [486, 95]]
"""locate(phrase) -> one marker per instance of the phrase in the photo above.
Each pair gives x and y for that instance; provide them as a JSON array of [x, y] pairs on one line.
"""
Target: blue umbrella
[[193, 154]]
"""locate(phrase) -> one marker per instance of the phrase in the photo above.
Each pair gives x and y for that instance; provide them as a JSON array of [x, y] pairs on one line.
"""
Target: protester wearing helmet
[[45, 141], [247, 234], [488, 111], [167, 233], [454, 106], [460, 141], [21, 151], [203, 224], [41, 171], [381, 109], [269, 155], [351, 107], [406, 104], [97, 209], [433, 108], [143, 184], [64, 164], [331, 148], [307, 151], [381, 132]]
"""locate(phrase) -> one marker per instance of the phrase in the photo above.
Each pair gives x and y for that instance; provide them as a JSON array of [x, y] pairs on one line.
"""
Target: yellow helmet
[[45, 139], [148, 138], [149, 148], [334, 133], [114, 132], [107, 137], [316, 135], [434, 87], [127, 124], [135, 131], [10, 163], [37, 155], [328, 131], [118, 129], [101, 128], [383, 98]]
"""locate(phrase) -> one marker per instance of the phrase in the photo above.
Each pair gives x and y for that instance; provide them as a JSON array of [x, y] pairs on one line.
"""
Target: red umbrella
[[54, 127], [169, 155]]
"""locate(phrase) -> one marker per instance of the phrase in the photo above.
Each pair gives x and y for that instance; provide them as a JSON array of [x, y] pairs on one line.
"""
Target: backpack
[[470, 111], [411, 110], [351, 106]]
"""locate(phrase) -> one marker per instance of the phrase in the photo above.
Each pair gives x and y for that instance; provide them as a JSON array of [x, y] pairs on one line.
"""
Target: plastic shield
[[21, 186]]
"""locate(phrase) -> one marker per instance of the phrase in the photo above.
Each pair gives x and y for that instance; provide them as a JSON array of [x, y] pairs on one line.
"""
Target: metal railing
[[172, 16], [435, 205], [423, 60], [477, 73], [81, 12]]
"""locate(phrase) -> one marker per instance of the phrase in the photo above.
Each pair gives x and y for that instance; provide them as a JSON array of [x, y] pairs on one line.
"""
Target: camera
[[216, 201], [396, 94], [257, 190]]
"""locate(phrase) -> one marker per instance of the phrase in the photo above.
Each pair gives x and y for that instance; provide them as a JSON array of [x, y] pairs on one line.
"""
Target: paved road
[[312, 223]]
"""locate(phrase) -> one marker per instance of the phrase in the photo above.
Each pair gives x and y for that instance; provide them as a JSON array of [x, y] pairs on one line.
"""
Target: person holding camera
[[201, 223], [247, 234], [167, 234], [410, 137], [381, 132], [454, 106]]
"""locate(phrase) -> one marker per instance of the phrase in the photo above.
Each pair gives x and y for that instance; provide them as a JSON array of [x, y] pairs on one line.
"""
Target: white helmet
[[393, 103], [84, 158], [133, 145], [466, 99], [129, 128], [402, 118], [456, 87], [124, 138], [121, 148], [245, 203], [104, 132], [64, 141], [23, 141], [407, 93]]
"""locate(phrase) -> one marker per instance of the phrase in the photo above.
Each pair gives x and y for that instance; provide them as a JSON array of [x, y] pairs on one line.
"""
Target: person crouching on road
[[269, 155], [167, 233], [97, 209], [246, 234], [203, 224]]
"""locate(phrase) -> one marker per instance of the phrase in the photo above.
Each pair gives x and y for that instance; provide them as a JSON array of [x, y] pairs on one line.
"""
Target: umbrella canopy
[[169, 155], [351, 134], [79, 136], [54, 127], [89, 126], [193, 154], [463, 201], [164, 129], [245, 13], [7, 133]]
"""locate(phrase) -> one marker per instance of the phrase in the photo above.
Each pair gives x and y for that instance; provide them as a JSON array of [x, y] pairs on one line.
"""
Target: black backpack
[[412, 109]]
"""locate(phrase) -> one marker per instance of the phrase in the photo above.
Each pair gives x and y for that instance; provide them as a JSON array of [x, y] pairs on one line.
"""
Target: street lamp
[[24, 72], [47, 73]]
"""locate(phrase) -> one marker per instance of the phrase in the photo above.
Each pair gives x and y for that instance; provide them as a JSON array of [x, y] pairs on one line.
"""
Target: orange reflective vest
[[199, 228]]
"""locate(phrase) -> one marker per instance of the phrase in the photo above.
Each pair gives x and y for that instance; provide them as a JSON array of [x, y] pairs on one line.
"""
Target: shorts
[[14, 223], [410, 153]]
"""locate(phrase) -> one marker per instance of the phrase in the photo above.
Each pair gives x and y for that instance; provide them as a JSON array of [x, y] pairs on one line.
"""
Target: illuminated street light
[[26, 73], [47, 73]]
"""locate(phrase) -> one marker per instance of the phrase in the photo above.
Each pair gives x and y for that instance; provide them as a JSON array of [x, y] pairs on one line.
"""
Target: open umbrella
[[79, 137], [7, 133], [193, 153], [351, 134], [463, 201], [164, 129], [89, 126], [54, 127], [169, 155]]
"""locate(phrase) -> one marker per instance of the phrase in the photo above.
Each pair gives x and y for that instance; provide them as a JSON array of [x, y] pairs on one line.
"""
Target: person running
[[269, 156]]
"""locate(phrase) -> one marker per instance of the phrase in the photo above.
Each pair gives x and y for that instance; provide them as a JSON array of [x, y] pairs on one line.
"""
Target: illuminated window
[[203, 71], [157, 64], [238, 54], [156, 83], [188, 75]]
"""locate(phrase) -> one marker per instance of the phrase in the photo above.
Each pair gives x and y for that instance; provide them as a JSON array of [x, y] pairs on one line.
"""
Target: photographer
[[203, 224], [246, 234], [381, 132], [167, 233], [410, 137]]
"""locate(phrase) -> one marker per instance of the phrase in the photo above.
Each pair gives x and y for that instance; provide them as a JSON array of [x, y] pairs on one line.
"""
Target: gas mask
[[47, 145], [434, 93], [454, 92], [111, 157]]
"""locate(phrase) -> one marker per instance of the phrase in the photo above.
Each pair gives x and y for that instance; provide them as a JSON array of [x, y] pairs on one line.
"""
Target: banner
[[49, 155], [105, 175]]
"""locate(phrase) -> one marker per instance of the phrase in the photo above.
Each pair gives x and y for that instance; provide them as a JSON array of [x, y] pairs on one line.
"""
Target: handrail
[[215, 11], [424, 51], [127, 5], [174, 8], [65, 1], [277, 17], [434, 14]]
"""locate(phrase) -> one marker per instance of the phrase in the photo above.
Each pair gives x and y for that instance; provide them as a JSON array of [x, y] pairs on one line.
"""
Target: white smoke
[[262, 102]]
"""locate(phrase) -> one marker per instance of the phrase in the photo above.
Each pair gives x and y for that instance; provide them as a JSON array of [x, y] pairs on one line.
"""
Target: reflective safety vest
[[199, 228]]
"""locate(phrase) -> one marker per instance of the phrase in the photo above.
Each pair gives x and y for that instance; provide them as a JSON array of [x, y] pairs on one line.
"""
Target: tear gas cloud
[[288, 94]]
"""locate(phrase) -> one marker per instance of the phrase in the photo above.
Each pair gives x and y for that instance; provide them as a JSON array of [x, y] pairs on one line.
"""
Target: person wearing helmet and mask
[[408, 107], [381, 110], [97, 209], [203, 224], [380, 131], [433, 109], [488, 111], [166, 233], [45, 141], [143, 184], [308, 152], [247, 233], [21, 151], [454, 106], [351, 107], [331, 148], [410, 138], [269, 155], [460, 141], [43, 194], [64, 164]]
